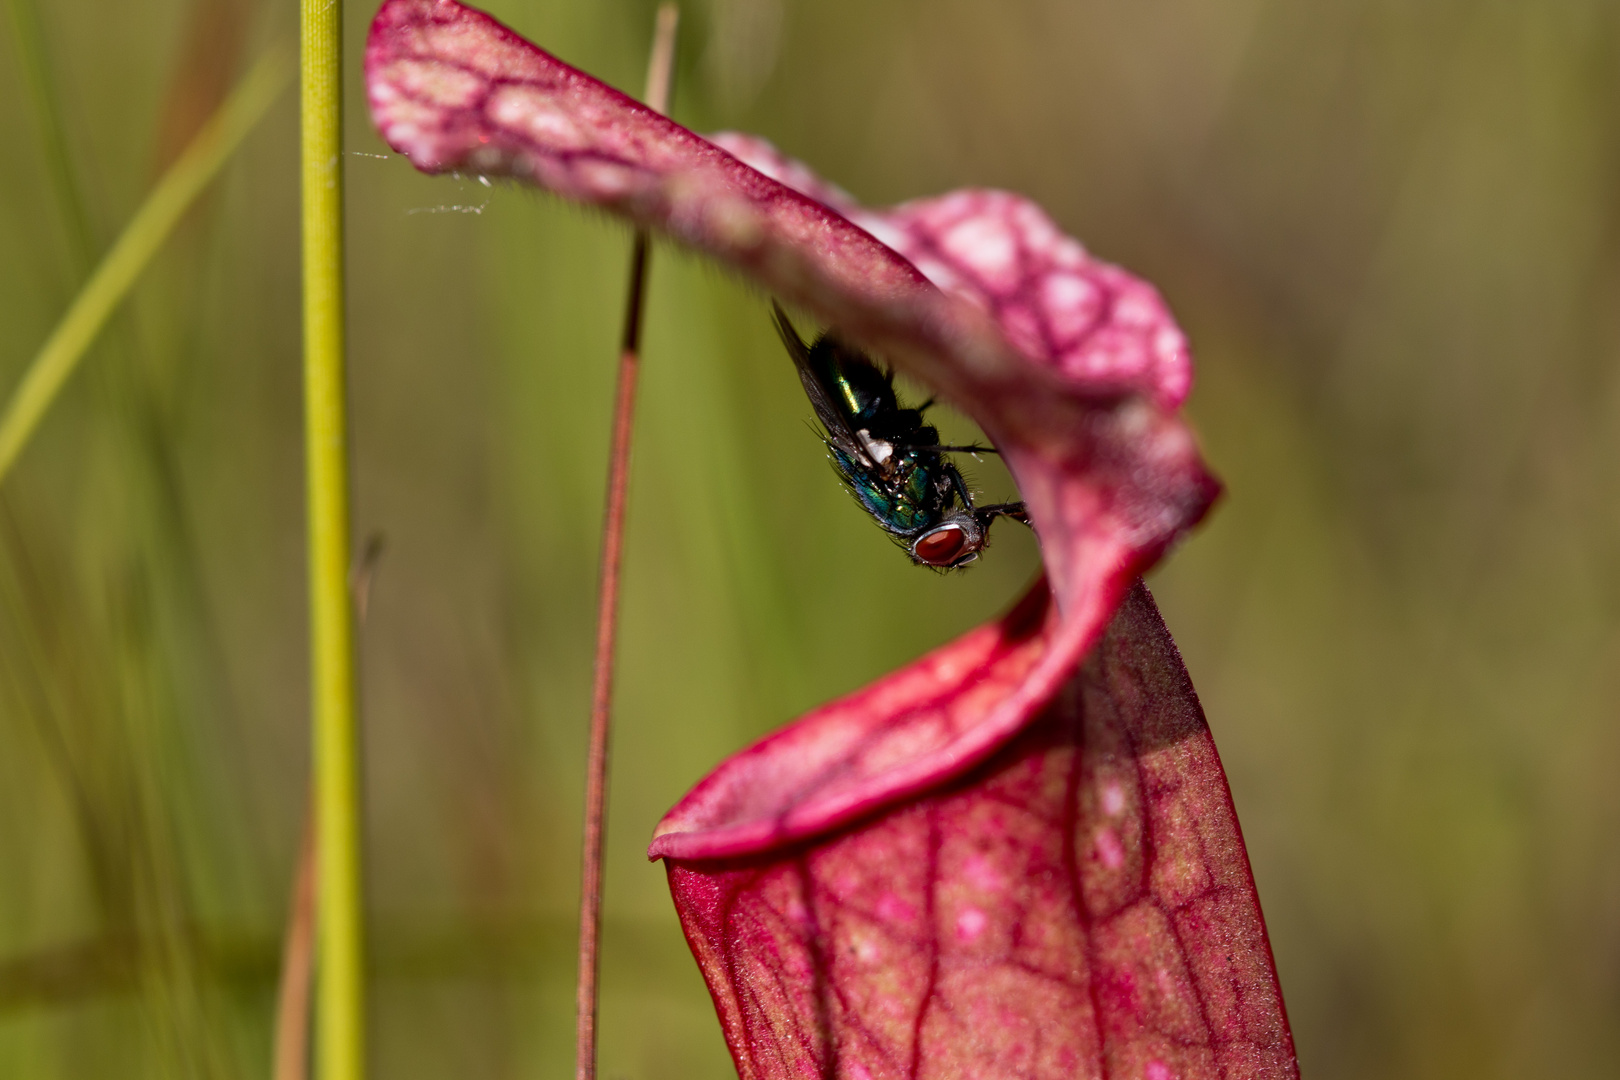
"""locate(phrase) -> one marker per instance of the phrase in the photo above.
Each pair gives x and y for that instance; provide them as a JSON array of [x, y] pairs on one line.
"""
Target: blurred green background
[[1389, 227]]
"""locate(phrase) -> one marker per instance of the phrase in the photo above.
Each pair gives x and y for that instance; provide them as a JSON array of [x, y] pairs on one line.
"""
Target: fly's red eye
[[942, 546]]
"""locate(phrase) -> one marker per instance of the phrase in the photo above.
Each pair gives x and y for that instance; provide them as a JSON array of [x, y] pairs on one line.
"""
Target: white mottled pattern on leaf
[[1002, 252]]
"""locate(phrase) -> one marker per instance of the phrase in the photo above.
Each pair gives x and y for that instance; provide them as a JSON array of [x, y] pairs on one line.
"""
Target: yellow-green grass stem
[[133, 250], [340, 1029]]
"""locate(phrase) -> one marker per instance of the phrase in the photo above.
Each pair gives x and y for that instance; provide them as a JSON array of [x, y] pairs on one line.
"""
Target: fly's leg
[[1015, 511], [984, 514], [955, 477], [936, 449]]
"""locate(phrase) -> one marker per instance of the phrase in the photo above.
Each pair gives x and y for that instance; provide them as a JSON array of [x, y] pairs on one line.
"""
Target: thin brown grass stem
[[291, 1047], [659, 70]]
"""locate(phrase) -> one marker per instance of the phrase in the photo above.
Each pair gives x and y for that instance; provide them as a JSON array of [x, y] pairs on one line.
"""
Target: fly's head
[[951, 544]]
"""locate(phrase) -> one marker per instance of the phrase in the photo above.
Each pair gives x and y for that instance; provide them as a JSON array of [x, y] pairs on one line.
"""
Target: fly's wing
[[822, 399]]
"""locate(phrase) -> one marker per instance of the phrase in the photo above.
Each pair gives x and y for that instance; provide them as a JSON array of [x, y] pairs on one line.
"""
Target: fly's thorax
[[906, 497], [920, 488]]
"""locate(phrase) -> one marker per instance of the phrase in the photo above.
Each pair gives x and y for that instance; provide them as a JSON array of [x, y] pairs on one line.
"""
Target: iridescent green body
[[907, 500], [889, 457]]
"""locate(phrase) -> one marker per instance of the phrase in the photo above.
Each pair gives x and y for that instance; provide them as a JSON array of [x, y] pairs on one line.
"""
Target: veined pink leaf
[[1087, 426], [827, 875], [1078, 905]]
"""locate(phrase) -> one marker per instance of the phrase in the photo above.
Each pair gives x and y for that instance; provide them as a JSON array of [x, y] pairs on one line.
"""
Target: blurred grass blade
[[134, 248], [34, 59]]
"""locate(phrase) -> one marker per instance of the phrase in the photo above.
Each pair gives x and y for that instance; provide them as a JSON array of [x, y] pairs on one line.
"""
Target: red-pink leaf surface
[[1076, 370], [1072, 367], [1078, 905]]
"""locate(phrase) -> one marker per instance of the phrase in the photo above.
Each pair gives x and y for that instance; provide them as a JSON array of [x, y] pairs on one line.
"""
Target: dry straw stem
[[290, 1048], [660, 68], [134, 248]]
